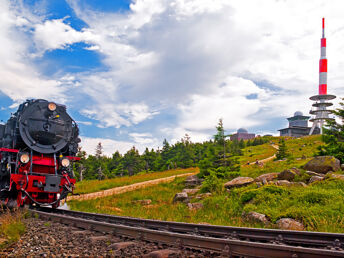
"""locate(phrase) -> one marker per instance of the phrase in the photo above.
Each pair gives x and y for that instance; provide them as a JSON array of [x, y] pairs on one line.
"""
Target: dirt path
[[263, 161], [126, 188]]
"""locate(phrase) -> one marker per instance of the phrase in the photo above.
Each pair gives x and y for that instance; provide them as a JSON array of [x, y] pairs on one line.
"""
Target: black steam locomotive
[[37, 147]]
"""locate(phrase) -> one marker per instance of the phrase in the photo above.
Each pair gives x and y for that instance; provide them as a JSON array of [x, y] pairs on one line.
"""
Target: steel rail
[[289, 237], [227, 247]]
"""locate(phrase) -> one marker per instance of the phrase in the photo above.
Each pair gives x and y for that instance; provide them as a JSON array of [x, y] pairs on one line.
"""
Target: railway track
[[228, 241]]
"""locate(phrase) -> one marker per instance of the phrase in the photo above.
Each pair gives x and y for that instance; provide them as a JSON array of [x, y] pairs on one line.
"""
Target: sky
[[133, 73]]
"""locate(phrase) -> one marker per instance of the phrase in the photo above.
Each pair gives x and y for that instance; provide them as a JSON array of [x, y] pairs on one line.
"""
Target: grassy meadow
[[90, 186], [318, 206]]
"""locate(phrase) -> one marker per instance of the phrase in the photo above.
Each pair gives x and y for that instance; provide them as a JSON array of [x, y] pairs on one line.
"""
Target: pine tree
[[99, 150], [333, 136], [282, 150]]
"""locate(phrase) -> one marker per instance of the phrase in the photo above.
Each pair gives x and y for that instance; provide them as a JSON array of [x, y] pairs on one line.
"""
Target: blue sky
[[136, 72]]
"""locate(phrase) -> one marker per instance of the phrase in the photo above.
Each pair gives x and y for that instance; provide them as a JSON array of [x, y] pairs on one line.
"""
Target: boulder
[[337, 176], [312, 173], [268, 177], [282, 183], [195, 206], [298, 184], [239, 181], [202, 196], [323, 164], [296, 170], [315, 179], [164, 253], [289, 224], [257, 217], [193, 180], [287, 174], [180, 197], [190, 191]]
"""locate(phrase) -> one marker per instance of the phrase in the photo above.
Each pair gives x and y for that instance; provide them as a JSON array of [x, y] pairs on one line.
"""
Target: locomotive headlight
[[52, 106], [24, 158], [65, 162]]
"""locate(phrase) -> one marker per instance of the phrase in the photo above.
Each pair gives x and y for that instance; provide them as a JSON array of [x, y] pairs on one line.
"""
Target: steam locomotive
[[38, 145]]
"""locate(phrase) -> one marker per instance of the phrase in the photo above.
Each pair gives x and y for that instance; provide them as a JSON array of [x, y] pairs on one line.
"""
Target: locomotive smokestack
[[323, 63]]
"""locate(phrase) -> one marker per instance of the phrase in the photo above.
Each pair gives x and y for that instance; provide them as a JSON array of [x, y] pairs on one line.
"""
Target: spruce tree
[[282, 150], [333, 136]]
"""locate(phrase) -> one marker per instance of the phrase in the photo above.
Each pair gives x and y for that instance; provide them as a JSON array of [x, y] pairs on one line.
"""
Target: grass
[[251, 153], [319, 206], [11, 227], [90, 186]]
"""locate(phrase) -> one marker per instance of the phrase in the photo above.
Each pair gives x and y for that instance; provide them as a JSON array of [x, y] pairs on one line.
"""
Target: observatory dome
[[242, 130], [298, 113]]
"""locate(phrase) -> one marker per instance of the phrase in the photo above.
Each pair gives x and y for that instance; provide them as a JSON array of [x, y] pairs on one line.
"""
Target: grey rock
[[290, 224], [323, 164], [267, 177], [282, 183], [312, 173], [180, 197], [257, 217], [202, 196], [239, 181], [287, 174], [190, 191], [315, 179], [193, 180]]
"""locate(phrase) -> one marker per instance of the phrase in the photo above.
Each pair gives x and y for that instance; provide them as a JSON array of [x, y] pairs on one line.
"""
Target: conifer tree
[[333, 136], [282, 150]]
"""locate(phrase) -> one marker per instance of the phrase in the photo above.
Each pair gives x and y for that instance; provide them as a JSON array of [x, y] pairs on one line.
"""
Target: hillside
[[318, 206]]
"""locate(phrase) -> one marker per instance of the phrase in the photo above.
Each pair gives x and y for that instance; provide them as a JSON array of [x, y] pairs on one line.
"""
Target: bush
[[211, 183], [248, 196]]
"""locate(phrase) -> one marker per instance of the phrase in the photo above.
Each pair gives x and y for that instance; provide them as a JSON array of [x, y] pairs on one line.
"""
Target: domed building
[[242, 133], [298, 126]]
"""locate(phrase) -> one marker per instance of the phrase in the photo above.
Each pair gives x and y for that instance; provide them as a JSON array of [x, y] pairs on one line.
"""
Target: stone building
[[298, 126], [242, 133]]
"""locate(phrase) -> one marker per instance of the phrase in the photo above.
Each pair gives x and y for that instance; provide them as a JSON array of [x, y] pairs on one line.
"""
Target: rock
[[268, 177], [190, 191], [298, 184], [195, 206], [312, 173], [296, 170], [337, 176], [121, 245], [287, 174], [315, 179], [79, 233], [323, 164], [342, 166], [180, 197], [192, 181], [202, 196], [143, 202], [282, 183], [258, 217], [239, 181], [165, 253], [289, 224], [259, 184]]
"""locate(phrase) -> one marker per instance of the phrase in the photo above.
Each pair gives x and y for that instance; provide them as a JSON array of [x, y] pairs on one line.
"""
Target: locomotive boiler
[[38, 145]]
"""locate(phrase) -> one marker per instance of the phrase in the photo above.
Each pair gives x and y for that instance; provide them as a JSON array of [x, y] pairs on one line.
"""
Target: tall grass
[[90, 186], [11, 227]]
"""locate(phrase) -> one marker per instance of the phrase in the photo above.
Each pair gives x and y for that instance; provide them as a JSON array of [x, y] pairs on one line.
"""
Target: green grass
[[90, 186], [11, 227], [319, 206], [251, 153]]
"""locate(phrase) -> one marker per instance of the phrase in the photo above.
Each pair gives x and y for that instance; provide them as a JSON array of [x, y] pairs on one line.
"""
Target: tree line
[[218, 157]]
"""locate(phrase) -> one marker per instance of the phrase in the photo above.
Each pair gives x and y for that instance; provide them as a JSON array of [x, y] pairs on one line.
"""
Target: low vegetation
[[11, 227], [90, 186], [319, 206]]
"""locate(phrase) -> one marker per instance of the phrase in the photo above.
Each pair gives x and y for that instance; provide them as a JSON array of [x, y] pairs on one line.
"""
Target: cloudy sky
[[136, 72]]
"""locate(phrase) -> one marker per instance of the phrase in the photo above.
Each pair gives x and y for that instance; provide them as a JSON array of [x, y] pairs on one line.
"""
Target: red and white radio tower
[[321, 114]]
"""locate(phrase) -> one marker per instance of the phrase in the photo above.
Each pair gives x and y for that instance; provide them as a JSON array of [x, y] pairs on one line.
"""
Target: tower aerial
[[321, 114]]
